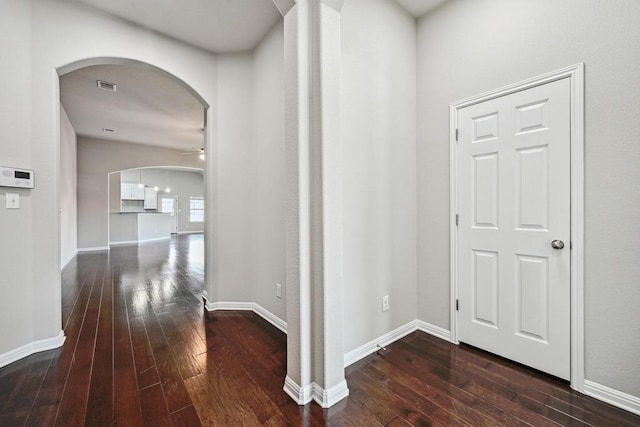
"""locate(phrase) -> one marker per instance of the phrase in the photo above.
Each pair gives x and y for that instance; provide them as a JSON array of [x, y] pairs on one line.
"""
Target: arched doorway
[[98, 214]]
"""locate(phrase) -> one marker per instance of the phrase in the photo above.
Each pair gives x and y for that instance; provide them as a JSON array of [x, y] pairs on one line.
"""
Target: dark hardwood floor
[[141, 350]]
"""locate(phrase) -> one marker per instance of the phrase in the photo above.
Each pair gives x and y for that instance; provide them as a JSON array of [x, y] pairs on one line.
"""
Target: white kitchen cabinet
[[138, 192], [131, 191], [150, 198]]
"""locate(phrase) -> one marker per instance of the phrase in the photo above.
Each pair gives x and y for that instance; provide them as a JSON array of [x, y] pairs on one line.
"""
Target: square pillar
[[315, 354]]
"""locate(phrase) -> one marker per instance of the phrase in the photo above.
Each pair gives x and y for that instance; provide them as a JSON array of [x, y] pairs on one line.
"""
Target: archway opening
[[127, 114]]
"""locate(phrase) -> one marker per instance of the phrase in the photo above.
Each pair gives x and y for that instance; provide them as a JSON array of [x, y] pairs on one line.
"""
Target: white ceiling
[[419, 7], [215, 25], [147, 107]]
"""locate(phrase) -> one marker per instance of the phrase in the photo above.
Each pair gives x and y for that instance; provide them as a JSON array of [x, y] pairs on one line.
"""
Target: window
[[196, 209]]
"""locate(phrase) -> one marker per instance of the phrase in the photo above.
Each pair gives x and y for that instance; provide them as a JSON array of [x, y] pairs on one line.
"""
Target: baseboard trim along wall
[[326, 398], [300, 395], [247, 306], [614, 397], [137, 242], [390, 337], [124, 243], [434, 330], [94, 249], [191, 232], [374, 345], [31, 348], [68, 260]]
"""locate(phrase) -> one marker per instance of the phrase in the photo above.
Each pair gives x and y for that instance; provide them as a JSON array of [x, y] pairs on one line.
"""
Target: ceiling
[[214, 25], [419, 7], [147, 108]]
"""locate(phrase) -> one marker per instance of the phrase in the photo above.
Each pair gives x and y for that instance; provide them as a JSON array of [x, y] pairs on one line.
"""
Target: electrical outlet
[[278, 290], [385, 303]]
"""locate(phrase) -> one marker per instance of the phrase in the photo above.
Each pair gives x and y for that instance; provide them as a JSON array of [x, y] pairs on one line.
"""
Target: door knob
[[557, 244]]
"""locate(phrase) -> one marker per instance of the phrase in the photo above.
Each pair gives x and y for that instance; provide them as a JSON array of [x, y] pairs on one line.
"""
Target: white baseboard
[[270, 317], [329, 397], [191, 232], [31, 348], [617, 398], [137, 242], [371, 347], [248, 306], [434, 330], [155, 239], [94, 249], [324, 398], [300, 395], [68, 260], [123, 243], [390, 337]]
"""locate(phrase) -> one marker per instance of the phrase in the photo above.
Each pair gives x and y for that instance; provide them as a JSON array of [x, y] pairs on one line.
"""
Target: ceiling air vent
[[106, 86]]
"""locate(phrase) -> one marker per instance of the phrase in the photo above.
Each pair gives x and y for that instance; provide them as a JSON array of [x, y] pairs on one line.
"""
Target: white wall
[[68, 190], [123, 228], [251, 174], [234, 176], [268, 173], [378, 136], [153, 226], [18, 284], [38, 37], [96, 159], [468, 47]]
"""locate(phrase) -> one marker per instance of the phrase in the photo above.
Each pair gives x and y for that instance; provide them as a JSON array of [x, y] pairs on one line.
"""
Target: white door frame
[[575, 74], [175, 206]]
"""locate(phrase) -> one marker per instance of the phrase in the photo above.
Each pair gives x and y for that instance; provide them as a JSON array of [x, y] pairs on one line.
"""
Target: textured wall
[[267, 166], [234, 176], [251, 174], [18, 284], [468, 47], [68, 190], [378, 137]]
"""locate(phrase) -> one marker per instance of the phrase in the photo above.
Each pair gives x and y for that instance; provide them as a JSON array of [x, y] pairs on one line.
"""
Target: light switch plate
[[13, 201]]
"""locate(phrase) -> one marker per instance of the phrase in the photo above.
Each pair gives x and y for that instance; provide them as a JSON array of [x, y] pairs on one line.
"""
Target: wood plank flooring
[[141, 350]]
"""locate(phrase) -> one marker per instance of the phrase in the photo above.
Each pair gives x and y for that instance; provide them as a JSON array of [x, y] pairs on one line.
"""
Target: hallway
[[141, 350]]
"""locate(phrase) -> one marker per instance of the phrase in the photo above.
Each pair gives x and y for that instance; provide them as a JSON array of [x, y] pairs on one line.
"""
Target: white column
[[315, 355]]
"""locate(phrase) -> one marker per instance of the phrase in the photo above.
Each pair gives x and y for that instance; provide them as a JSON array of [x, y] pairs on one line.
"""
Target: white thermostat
[[16, 178]]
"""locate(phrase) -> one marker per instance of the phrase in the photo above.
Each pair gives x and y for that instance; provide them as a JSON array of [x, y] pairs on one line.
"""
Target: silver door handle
[[557, 244]]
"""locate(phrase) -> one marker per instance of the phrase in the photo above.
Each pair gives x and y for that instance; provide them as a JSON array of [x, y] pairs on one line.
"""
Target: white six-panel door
[[513, 197]]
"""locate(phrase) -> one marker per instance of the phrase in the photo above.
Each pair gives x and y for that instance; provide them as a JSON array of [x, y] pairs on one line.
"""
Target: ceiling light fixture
[[156, 188], [201, 156], [107, 130], [140, 184]]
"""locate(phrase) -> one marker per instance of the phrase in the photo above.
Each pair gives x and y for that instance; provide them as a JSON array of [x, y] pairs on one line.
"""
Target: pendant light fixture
[[140, 184], [167, 189]]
